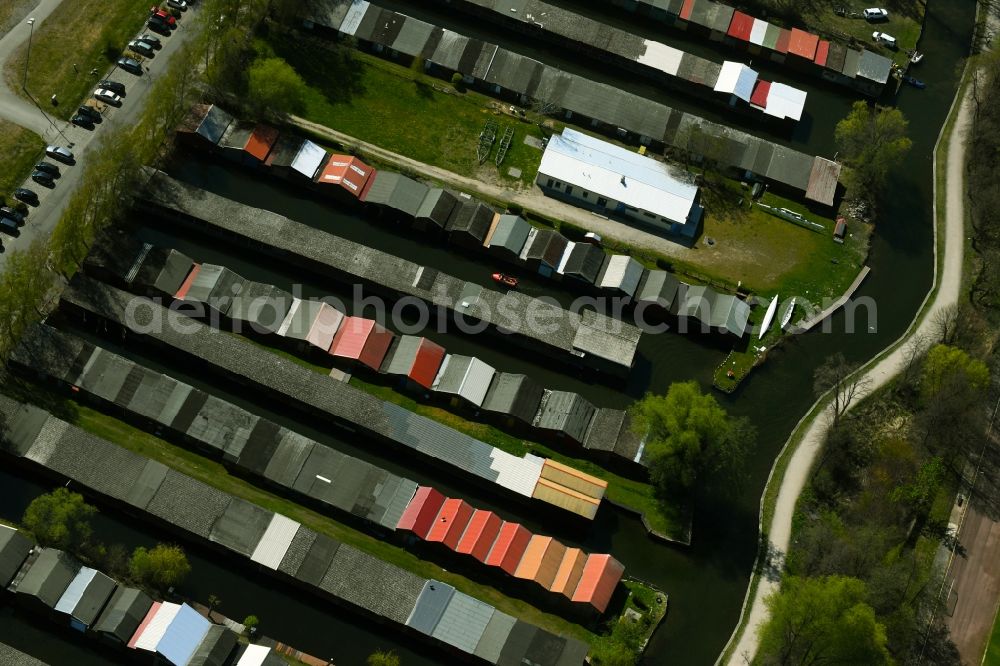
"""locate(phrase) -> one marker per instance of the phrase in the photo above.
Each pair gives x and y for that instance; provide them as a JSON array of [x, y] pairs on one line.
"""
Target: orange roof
[[188, 281], [450, 523], [803, 44], [509, 546], [349, 172], [541, 560], [600, 577], [362, 340], [480, 534], [822, 52], [570, 570], [686, 9], [260, 141], [418, 517]]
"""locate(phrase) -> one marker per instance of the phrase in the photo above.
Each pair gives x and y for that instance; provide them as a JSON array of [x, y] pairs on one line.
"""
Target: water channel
[[706, 581]]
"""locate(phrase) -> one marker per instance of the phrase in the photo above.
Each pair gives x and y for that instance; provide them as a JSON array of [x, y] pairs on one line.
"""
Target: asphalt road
[[974, 584], [52, 202]]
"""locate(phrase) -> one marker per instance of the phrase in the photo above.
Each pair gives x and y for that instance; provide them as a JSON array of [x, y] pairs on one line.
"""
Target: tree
[[60, 519], [838, 376], [822, 621], [250, 623], [951, 368], [161, 567], [872, 141], [688, 434], [383, 658], [274, 88], [457, 82]]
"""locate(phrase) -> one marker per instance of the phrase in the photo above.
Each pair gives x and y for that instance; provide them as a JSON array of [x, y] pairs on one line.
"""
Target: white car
[[60, 153], [107, 96], [876, 14], [883, 38]]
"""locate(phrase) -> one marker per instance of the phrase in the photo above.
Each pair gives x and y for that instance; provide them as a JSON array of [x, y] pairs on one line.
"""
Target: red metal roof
[[509, 547], [450, 523], [428, 361], [418, 517], [260, 141], [480, 534], [822, 51], [348, 172], [600, 577], [740, 26], [784, 37], [686, 9], [362, 340], [803, 44], [760, 92], [541, 560], [188, 281], [145, 621]]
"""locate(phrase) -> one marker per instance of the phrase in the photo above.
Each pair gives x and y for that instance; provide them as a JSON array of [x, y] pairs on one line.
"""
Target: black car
[[9, 225], [49, 168], [26, 195], [42, 178], [83, 121], [130, 65], [11, 214], [158, 25], [114, 86], [91, 113]]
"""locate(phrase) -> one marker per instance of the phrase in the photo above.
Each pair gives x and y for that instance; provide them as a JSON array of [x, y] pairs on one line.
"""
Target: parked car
[[60, 153], [8, 225], [177, 4], [164, 15], [883, 38], [876, 14], [130, 65], [107, 96], [152, 40], [25, 195], [49, 168], [141, 47], [11, 214], [42, 178], [90, 112], [157, 24], [113, 86], [83, 121]]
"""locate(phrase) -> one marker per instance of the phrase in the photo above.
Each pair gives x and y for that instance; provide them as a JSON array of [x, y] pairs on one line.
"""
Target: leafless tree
[[841, 379]]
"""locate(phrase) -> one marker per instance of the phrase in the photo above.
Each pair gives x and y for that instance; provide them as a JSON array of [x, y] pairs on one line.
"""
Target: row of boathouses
[[265, 452], [425, 609]]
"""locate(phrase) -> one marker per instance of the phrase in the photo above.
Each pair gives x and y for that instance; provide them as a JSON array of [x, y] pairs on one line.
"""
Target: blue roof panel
[[183, 636]]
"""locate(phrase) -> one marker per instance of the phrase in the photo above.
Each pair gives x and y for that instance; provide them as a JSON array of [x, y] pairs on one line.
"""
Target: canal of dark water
[[706, 581]]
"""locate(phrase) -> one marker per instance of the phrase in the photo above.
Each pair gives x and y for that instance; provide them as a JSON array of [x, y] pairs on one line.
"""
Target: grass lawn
[[20, 148], [86, 33], [904, 24], [406, 111], [992, 656]]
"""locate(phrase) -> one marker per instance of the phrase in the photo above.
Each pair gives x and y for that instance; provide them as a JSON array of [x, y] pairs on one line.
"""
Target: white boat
[[787, 313], [768, 317]]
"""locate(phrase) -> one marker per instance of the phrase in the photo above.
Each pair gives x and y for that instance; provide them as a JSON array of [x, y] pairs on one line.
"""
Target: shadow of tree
[[329, 68]]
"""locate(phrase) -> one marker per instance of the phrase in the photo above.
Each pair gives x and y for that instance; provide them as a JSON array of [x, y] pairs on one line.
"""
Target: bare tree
[[841, 379]]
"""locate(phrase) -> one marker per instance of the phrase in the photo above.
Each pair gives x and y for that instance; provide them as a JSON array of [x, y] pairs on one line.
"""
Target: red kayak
[[505, 280]]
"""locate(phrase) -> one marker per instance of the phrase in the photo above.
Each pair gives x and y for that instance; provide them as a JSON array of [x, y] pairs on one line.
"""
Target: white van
[[883, 38]]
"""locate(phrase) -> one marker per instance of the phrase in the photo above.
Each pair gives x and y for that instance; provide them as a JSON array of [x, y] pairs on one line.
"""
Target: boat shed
[[214, 286], [362, 340], [215, 648], [436, 209], [515, 396], [154, 625], [565, 414], [736, 79], [163, 271], [723, 312], [610, 432], [416, 358], [123, 613], [312, 322], [823, 180], [541, 560], [465, 377], [183, 635], [469, 223], [47, 576], [657, 288], [740, 27], [508, 549], [582, 261], [262, 307], [396, 192], [308, 159], [14, 550], [507, 236], [620, 274], [543, 250], [85, 597], [568, 575], [346, 172], [423, 508], [206, 121], [260, 655], [600, 578], [803, 44], [283, 153], [259, 144], [478, 538], [450, 523]]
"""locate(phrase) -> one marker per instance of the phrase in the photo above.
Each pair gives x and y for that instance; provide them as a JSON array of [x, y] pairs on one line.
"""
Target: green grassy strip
[[20, 149]]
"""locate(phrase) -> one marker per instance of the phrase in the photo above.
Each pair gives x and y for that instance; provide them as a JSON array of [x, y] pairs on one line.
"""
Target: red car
[[163, 15]]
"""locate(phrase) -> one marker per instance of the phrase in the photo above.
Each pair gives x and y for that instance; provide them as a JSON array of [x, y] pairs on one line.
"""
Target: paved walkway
[[52, 202], [973, 584], [951, 243]]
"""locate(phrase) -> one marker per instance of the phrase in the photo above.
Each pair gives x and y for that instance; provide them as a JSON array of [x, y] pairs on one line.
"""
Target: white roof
[[254, 655], [758, 31], [662, 57], [625, 176], [622, 272], [784, 101], [274, 544], [565, 257], [71, 597], [737, 79], [308, 159], [518, 474], [158, 626], [287, 321], [353, 18]]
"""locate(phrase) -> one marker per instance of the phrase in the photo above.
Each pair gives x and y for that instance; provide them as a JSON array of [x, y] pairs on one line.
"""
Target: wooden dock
[[807, 325]]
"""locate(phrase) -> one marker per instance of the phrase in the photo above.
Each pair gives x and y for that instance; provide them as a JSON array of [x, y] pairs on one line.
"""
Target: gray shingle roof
[[657, 287], [437, 206], [14, 549], [584, 262], [12, 657], [472, 219], [48, 576], [515, 395], [124, 612], [565, 412], [510, 234], [547, 247], [240, 526], [215, 647]]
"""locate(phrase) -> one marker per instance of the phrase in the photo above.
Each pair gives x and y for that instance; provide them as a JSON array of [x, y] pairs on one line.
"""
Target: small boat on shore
[[787, 309], [768, 317], [506, 280], [915, 82], [915, 56]]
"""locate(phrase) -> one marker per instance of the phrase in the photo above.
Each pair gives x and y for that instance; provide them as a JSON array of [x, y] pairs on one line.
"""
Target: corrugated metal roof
[[450, 523], [541, 560], [183, 635], [216, 646], [741, 26], [874, 67], [74, 592], [563, 497], [570, 570], [803, 44], [620, 273], [274, 544], [601, 575], [141, 629], [510, 234], [309, 159], [431, 604], [657, 287], [85, 598], [49, 576], [260, 141], [123, 614], [463, 622], [480, 534], [417, 358], [254, 655], [362, 340], [153, 632], [346, 171], [437, 206], [464, 376], [822, 51], [565, 412], [215, 124], [421, 511], [758, 31], [515, 395], [509, 547], [494, 637]]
